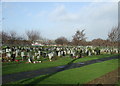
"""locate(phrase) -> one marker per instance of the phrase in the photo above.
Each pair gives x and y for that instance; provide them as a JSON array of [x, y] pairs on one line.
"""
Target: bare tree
[[4, 37], [12, 38], [79, 38], [13, 35], [61, 40], [113, 34], [33, 35]]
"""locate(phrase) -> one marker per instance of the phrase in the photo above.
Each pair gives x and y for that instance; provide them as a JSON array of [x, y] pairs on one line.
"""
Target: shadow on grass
[[36, 81]]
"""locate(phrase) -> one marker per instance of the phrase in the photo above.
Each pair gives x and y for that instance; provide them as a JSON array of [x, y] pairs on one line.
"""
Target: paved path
[[52, 70]]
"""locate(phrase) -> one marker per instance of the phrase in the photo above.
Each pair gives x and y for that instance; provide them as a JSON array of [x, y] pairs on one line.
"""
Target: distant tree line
[[78, 39], [12, 38]]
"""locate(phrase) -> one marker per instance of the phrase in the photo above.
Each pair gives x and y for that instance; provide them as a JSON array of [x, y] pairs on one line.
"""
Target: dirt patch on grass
[[109, 78]]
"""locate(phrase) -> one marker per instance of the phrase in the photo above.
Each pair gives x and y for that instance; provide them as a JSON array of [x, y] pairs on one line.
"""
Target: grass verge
[[80, 75]]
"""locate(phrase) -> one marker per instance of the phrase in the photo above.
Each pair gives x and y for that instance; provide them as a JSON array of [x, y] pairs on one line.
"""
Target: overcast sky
[[56, 19]]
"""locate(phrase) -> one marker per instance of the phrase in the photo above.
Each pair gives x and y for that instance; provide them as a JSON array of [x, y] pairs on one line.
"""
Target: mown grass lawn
[[15, 67], [118, 83], [80, 75]]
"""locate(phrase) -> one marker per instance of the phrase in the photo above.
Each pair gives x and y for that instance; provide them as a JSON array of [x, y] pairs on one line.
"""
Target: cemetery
[[60, 43], [35, 62], [25, 59]]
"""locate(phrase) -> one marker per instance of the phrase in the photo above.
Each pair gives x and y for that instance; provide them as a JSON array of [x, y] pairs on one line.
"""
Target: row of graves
[[34, 54]]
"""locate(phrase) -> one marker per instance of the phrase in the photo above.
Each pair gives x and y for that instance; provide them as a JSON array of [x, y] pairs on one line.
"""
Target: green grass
[[80, 75], [14, 67], [93, 57], [118, 83]]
